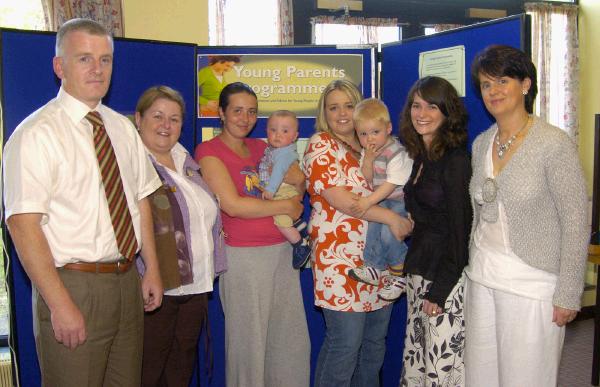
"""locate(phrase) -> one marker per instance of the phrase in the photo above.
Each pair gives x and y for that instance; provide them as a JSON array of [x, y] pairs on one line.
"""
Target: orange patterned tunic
[[338, 239]]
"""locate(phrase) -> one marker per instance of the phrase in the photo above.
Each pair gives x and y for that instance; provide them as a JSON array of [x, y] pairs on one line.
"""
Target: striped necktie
[[113, 188]]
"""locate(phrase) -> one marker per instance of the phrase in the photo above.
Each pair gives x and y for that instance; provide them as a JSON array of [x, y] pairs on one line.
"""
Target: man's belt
[[121, 266]]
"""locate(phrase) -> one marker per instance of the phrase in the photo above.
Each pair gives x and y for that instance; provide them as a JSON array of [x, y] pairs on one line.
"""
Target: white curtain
[[219, 37], [555, 53]]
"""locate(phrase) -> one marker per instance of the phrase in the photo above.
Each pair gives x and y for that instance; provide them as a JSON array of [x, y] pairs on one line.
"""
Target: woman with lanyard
[[189, 243]]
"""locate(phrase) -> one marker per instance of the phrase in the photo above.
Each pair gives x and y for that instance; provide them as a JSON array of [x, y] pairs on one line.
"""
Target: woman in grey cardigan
[[530, 234]]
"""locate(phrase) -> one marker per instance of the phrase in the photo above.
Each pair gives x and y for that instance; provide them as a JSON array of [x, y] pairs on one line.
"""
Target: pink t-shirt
[[243, 171]]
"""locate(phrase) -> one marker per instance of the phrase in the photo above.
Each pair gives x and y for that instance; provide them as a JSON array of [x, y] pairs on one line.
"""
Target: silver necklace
[[501, 149]]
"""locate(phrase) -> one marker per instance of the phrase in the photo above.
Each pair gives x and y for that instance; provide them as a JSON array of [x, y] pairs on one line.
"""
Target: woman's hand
[[399, 226], [562, 316], [359, 207], [431, 308], [295, 207], [412, 222], [220, 182], [294, 176], [266, 195]]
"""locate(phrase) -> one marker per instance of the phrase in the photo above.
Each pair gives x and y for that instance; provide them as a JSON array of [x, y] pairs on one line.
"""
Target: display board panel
[[403, 61], [28, 82]]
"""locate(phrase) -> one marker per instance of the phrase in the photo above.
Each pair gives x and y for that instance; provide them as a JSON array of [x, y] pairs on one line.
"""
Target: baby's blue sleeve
[[282, 159]]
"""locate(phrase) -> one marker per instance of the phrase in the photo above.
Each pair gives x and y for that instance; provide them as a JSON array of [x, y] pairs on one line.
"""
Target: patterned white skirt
[[433, 346]]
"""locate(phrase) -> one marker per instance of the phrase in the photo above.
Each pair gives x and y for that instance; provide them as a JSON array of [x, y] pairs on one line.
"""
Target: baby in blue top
[[282, 132]]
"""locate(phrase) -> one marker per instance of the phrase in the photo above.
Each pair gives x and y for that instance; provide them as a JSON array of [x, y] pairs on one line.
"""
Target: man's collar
[[75, 109]]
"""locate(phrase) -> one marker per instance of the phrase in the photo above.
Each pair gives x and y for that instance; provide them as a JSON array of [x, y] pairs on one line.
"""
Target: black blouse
[[441, 209]]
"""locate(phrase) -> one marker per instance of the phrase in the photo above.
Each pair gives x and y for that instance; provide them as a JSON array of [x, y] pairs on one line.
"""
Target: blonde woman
[[356, 318]]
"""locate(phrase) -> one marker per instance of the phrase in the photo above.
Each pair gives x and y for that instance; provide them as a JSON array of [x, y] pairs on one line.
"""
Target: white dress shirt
[[50, 167]]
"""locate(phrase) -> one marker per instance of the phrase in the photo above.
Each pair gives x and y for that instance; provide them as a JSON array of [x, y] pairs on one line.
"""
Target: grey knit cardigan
[[544, 194]]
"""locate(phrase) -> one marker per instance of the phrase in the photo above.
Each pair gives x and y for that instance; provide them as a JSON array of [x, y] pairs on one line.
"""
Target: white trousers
[[511, 340]]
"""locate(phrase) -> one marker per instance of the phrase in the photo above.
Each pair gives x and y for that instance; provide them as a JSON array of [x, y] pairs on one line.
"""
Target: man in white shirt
[[88, 304]]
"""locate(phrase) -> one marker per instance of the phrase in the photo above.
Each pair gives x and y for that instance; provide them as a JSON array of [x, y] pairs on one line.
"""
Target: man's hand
[[34, 252], [152, 290], [68, 325], [266, 195]]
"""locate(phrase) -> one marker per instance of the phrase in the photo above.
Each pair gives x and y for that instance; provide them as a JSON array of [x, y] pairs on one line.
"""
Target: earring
[[525, 92]]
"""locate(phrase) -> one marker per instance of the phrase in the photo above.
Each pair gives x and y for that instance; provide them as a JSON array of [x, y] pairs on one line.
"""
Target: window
[[429, 30], [22, 14], [241, 24], [433, 29], [327, 33]]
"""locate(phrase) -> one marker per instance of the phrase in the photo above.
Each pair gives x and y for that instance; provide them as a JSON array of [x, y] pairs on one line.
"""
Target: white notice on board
[[447, 63]]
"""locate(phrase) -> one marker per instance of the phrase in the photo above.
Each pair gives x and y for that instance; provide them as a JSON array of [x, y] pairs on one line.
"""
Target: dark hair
[[453, 131], [506, 61], [234, 88], [212, 59]]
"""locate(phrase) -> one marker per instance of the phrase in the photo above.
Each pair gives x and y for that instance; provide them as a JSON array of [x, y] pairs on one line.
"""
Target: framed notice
[[447, 63]]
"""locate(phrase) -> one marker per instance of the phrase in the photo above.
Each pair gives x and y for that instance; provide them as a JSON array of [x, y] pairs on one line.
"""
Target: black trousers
[[171, 340]]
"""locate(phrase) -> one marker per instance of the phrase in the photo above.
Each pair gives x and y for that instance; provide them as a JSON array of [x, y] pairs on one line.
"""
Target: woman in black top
[[433, 129]]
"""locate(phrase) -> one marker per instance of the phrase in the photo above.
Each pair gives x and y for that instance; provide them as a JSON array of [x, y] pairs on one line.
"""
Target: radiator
[[5, 370]]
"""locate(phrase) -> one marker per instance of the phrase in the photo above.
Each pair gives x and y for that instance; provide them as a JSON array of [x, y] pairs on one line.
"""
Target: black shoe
[[301, 253]]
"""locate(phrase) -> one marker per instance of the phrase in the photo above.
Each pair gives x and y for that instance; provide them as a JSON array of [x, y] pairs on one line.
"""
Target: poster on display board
[[283, 77], [281, 81]]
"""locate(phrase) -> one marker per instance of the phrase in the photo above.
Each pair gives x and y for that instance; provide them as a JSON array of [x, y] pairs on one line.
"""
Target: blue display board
[[28, 82], [400, 63]]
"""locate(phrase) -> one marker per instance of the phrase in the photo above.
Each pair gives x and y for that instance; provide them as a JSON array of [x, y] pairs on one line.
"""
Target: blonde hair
[[371, 109], [79, 24], [285, 113], [342, 85], [153, 93]]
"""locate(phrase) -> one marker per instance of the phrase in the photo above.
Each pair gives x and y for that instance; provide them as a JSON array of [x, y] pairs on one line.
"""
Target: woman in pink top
[[266, 335]]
